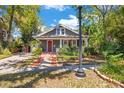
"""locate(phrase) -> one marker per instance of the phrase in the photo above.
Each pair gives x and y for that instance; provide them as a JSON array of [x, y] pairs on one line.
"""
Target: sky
[[52, 15]]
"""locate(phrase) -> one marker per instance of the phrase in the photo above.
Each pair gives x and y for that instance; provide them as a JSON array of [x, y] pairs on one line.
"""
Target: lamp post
[[80, 72]]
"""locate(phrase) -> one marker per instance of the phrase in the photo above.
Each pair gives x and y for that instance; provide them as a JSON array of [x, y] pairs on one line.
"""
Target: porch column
[[72, 42], [67, 42], [60, 43], [76, 42]]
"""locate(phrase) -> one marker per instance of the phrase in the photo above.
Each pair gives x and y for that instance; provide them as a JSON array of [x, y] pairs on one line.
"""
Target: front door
[[50, 42]]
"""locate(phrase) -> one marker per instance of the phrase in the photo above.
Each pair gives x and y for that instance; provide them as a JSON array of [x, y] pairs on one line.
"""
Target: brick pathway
[[46, 59]]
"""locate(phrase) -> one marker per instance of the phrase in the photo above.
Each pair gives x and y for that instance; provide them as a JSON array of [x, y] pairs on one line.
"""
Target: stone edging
[[108, 79]]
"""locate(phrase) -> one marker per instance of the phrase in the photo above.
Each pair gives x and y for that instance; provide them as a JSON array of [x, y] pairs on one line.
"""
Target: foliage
[[28, 21], [69, 58], [35, 43], [6, 52], [16, 45], [115, 58], [114, 68], [23, 17], [68, 50], [1, 49], [3, 56], [37, 51], [89, 51]]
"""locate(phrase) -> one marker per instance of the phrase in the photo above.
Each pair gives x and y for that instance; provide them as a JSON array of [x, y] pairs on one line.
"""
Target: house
[[58, 37]]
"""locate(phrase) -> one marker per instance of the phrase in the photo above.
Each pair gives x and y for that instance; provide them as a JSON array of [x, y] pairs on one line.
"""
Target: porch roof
[[59, 37]]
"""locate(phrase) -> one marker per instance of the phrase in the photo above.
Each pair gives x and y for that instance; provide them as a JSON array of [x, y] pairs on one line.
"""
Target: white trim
[[68, 42], [60, 44], [56, 33], [72, 42], [57, 38], [43, 33], [68, 28], [76, 43], [60, 31]]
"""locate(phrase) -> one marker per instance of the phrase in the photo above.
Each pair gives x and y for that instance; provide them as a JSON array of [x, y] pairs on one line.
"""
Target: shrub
[[114, 58], [63, 50], [109, 48], [66, 50], [113, 66], [6, 52], [89, 51], [37, 51], [1, 49]]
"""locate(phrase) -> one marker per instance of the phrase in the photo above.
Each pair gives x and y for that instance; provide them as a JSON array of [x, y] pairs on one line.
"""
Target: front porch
[[53, 45]]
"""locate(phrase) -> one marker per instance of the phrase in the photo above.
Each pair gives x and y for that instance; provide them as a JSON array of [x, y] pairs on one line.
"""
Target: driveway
[[5, 63]]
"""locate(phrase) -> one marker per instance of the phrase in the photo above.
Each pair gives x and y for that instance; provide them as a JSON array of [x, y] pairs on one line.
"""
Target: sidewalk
[[46, 65]]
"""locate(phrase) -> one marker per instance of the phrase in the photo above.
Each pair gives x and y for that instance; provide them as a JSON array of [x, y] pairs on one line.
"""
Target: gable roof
[[55, 28]]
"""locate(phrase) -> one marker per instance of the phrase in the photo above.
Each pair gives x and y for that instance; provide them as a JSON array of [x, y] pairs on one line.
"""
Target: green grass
[[65, 58], [75, 59], [4, 56], [114, 71]]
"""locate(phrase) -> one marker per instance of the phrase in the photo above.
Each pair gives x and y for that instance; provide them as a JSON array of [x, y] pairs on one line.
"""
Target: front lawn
[[5, 53], [2, 56], [75, 59], [53, 79], [67, 58]]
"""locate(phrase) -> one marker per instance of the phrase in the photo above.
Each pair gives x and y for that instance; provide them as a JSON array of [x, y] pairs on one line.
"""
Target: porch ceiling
[[57, 38]]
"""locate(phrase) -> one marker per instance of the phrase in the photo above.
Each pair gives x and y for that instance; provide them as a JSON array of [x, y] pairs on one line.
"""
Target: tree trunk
[[10, 24]]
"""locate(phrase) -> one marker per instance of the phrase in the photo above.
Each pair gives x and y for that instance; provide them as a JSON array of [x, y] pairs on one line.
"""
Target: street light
[[80, 72]]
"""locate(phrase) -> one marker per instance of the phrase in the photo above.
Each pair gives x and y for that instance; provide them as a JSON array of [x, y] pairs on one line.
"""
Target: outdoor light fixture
[[80, 72]]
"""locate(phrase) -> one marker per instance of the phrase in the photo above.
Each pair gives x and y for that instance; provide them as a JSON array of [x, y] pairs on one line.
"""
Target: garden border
[[108, 79]]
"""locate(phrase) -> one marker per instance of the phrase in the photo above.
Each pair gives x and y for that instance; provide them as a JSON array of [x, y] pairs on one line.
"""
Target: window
[[62, 32], [58, 31]]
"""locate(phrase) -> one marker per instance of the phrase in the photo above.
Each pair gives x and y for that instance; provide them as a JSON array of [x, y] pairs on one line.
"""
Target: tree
[[23, 17], [103, 12], [28, 21]]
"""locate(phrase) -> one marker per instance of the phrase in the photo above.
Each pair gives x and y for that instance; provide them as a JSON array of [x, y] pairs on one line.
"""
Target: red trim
[[51, 46]]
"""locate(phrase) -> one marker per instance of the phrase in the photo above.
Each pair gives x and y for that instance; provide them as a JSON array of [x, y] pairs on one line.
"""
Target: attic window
[[60, 31]]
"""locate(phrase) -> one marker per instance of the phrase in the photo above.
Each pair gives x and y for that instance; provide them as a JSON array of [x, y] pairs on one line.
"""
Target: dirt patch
[[69, 80]]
